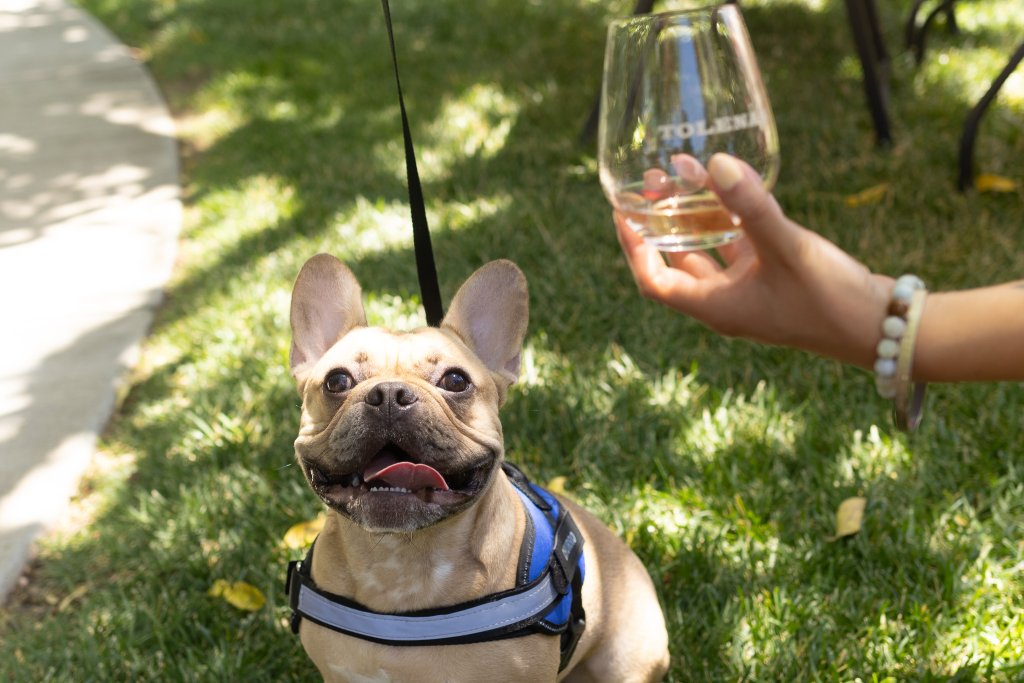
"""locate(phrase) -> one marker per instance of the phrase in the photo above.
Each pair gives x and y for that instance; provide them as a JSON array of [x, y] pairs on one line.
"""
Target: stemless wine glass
[[679, 87]]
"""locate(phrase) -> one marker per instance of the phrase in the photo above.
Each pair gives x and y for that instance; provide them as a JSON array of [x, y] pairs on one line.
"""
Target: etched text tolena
[[701, 128]]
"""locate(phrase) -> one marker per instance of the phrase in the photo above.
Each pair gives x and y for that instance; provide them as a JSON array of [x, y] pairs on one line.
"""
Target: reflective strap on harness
[[479, 622]]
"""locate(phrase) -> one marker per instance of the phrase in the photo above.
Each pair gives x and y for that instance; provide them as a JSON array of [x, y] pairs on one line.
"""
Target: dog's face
[[400, 430]]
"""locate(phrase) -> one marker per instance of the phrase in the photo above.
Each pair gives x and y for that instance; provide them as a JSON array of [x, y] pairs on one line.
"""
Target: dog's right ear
[[326, 303]]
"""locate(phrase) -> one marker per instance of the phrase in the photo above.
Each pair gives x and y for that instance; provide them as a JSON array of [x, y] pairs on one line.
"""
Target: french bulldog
[[400, 437]]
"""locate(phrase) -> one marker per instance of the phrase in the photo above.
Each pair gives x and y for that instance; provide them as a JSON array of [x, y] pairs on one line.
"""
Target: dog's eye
[[338, 382], [454, 381]]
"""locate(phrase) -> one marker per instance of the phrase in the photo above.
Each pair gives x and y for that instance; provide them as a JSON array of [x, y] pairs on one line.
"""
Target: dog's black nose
[[391, 395]]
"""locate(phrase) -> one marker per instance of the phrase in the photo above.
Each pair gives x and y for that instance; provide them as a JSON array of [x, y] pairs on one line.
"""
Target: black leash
[[425, 268]]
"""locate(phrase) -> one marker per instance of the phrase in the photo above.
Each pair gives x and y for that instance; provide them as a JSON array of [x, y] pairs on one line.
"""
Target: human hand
[[781, 284]]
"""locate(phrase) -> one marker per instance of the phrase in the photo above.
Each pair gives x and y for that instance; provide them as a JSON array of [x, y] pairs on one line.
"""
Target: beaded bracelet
[[896, 352]]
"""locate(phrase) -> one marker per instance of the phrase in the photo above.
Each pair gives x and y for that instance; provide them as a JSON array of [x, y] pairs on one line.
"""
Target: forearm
[[972, 335]]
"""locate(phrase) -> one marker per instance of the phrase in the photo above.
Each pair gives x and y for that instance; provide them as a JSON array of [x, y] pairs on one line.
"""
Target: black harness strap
[[427, 271]]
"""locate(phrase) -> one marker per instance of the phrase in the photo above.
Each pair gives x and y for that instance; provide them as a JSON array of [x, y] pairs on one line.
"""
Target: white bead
[[885, 367], [912, 281], [903, 291], [888, 348], [904, 288], [894, 327]]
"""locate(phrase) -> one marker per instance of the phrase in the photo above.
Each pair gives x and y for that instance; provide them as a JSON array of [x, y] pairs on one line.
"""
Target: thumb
[[742, 192]]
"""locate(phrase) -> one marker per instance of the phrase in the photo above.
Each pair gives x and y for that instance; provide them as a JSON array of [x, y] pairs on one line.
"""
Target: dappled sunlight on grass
[[225, 216], [1013, 91], [535, 368], [870, 457], [961, 64], [672, 515], [739, 419], [658, 440], [989, 580], [681, 520], [202, 130], [393, 311], [465, 215], [969, 73], [989, 16], [366, 227], [474, 123]]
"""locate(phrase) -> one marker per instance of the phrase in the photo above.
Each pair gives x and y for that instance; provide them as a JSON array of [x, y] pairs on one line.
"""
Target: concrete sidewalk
[[89, 220]]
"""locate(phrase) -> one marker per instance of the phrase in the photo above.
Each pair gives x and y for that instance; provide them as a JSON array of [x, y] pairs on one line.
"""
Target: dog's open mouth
[[394, 472], [401, 475]]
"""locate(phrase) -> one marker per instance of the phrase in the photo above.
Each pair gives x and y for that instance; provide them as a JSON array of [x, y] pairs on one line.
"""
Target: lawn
[[721, 462]]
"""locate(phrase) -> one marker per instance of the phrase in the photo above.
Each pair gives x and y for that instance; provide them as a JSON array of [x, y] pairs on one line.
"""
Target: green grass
[[721, 462]]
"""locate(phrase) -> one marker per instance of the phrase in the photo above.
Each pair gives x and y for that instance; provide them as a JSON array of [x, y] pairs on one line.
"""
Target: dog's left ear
[[326, 303], [490, 313]]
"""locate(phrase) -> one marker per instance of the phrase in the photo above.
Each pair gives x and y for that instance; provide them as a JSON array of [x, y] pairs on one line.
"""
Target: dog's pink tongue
[[407, 475]]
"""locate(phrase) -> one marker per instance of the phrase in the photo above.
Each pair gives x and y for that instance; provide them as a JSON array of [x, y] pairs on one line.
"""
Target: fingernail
[[725, 171]]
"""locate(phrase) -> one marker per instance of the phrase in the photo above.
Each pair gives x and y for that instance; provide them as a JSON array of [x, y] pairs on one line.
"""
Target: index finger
[[654, 279]]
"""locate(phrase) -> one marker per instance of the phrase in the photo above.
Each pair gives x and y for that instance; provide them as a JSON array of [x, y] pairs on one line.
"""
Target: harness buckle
[[577, 622], [567, 547], [570, 637]]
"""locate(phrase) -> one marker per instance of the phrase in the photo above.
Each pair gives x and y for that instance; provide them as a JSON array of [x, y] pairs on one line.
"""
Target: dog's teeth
[[390, 489]]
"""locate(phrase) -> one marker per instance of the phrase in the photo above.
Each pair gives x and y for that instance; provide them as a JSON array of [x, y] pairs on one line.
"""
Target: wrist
[[843, 321], [862, 322]]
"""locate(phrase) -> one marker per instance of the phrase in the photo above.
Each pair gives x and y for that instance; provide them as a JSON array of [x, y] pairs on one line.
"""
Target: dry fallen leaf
[[849, 517], [72, 597], [987, 182], [871, 195], [302, 535], [239, 594], [556, 485]]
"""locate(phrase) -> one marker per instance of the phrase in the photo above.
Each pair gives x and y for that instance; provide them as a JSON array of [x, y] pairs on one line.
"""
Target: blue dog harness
[[547, 597]]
